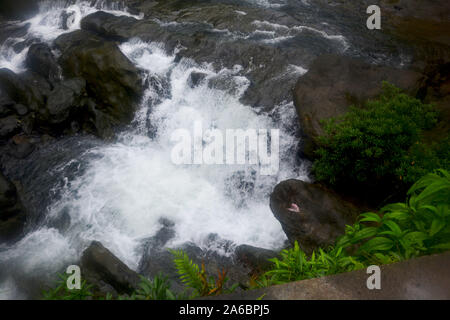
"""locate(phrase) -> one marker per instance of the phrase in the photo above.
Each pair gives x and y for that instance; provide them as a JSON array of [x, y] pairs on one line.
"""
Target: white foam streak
[[49, 23]]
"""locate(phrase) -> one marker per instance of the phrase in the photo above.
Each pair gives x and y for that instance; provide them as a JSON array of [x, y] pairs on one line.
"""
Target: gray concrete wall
[[422, 278]]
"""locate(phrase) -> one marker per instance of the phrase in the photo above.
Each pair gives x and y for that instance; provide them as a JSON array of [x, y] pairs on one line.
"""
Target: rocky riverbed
[[90, 92]]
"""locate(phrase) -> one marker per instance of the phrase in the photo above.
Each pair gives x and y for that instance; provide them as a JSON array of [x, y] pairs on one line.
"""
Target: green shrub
[[378, 145], [399, 231]]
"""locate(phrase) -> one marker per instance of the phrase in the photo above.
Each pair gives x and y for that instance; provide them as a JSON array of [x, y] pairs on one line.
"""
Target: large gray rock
[[334, 83], [113, 82], [311, 214], [424, 278], [106, 272]]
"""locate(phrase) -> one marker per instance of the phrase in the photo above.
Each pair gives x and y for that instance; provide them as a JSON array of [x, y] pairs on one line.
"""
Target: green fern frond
[[188, 271]]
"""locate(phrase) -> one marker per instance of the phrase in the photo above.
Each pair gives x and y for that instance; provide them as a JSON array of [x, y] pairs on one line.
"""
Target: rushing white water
[[54, 18], [132, 183]]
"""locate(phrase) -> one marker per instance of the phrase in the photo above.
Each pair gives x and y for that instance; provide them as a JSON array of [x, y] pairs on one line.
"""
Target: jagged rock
[[109, 26], [104, 270], [311, 214], [113, 82]]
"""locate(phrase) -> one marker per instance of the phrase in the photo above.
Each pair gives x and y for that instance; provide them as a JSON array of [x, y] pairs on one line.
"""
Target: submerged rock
[[311, 214]]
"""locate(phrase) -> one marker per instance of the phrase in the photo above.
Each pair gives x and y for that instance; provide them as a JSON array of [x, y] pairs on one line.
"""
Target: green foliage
[[158, 288], [296, 265], [196, 278], [379, 144], [399, 231], [61, 292]]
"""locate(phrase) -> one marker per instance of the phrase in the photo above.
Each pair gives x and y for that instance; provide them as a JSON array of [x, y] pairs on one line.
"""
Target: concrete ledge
[[426, 277]]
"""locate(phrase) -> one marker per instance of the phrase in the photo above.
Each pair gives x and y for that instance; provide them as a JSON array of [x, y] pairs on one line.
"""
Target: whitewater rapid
[[130, 184]]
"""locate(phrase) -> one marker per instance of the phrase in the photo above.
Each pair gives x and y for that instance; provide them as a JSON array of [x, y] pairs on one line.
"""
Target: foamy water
[[49, 24], [132, 183]]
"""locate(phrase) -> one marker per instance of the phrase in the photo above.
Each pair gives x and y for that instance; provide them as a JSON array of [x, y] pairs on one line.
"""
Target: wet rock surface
[[311, 214], [113, 82], [106, 272], [334, 83]]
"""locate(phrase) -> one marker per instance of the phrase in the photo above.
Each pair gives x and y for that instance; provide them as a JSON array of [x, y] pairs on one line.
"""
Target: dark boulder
[[6, 104], [333, 83], [423, 25], [109, 26], [62, 100], [106, 272], [40, 59], [112, 81], [9, 126], [311, 214], [196, 78]]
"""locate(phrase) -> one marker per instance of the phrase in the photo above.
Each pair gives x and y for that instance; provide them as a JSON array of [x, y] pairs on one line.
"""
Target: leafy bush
[[399, 231], [379, 144]]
